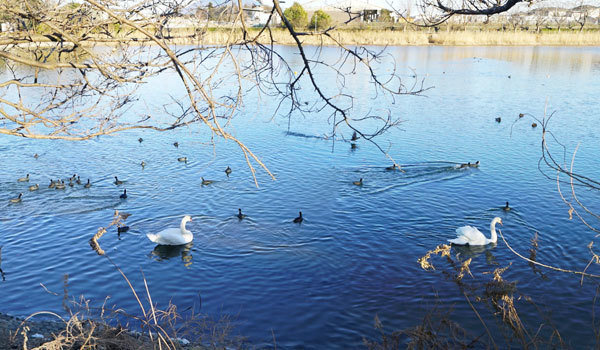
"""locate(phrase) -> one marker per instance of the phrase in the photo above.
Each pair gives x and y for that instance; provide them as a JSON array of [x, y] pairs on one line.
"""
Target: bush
[[320, 20], [296, 15]]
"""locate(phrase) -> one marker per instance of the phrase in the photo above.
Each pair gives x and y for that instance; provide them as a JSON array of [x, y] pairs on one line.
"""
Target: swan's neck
[[182, 226], [494, 238]]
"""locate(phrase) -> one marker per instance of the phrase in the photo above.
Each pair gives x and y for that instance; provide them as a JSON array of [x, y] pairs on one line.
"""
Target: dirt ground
[[40, 331]]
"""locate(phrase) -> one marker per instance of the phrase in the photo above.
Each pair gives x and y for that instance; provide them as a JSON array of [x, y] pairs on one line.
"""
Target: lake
[[321, 284]]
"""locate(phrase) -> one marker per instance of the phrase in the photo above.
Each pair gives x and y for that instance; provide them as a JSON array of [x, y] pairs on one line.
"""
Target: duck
[[60, 185], [498, 119], [122, 215], [16, 200], [228, 171], [73, 178], [299, 219], [36, 156], [182, 159], [88, 184], [78, 180], [392, 167], [521, 115], [534, 125], [122, 229], [124, 195], [173, 236], [140, 140], [506, 207], [358, 183], [469, 235], [23, 179], [117, 181], [176, 144], [52, 184], [354, 136], [206, 182], [143, 164], [474, 165], [240, 215], [34, 187], [70, 182]]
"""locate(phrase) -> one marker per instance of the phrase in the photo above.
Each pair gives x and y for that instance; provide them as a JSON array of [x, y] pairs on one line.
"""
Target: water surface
[[355, 256]]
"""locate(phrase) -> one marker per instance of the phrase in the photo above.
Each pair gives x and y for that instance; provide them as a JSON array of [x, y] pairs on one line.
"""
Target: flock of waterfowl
[[521, 115], [178, 236], [58, 184], [170, 236]]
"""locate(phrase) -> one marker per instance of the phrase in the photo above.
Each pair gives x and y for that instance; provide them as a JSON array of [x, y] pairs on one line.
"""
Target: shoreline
[[350, 37], [40, 331]]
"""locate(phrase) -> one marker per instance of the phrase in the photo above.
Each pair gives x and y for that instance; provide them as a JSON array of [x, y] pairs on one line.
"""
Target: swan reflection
[[473, 251], [166, 252]]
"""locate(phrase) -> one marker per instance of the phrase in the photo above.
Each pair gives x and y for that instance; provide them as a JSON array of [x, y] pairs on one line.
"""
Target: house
[[259, 15], [341, 10]]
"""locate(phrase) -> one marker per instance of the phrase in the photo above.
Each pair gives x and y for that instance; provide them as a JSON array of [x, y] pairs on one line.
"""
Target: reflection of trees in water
[[166, 252]]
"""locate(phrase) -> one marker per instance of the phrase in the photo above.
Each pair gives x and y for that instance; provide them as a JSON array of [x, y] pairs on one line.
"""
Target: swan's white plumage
[[173, 236], [469, 235]]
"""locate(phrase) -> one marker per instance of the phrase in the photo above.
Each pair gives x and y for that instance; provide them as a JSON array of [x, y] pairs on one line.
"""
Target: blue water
[[321, 283]]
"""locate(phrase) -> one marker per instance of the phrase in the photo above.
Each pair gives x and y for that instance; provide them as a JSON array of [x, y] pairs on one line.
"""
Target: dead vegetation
[[110, 327]]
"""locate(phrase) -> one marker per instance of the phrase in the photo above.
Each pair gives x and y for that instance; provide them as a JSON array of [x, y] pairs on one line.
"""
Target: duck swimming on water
[[299, 219], [16, 200]]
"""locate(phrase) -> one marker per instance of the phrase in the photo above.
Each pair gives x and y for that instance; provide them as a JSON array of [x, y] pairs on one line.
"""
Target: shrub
[[320, 20], [296, 15]]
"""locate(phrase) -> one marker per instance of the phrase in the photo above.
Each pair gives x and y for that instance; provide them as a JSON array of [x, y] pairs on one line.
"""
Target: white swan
[[173, 236], [469, 235]]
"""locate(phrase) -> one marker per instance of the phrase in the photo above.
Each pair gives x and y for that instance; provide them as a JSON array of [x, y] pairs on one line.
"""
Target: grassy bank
[[411, 37], [383, 37]]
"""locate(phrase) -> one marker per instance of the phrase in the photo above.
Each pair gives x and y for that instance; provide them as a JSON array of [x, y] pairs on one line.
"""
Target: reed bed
[[379, 37], [419, 38]]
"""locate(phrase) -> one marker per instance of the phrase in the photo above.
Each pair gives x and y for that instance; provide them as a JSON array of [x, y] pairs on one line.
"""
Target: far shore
[[377, 37]]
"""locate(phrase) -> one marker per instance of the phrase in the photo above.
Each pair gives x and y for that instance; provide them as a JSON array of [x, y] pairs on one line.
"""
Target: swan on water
[[469, 235], [173, 236]]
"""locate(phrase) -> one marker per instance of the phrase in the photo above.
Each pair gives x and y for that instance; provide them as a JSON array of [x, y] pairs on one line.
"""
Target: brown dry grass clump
[[501, 301]]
